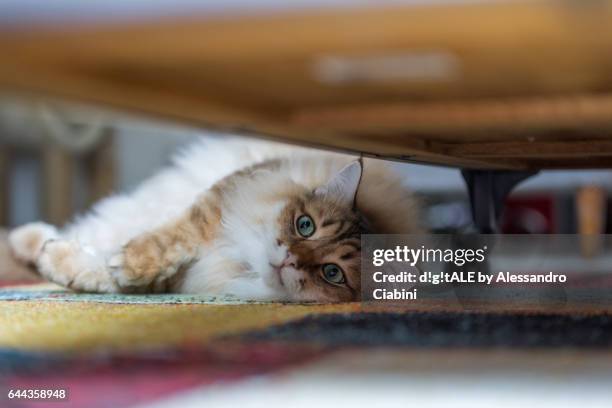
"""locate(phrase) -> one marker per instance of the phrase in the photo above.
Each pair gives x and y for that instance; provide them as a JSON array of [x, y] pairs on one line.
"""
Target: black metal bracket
[[487, 191]]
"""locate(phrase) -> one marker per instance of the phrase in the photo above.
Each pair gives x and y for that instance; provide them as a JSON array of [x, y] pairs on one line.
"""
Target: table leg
[[488, 190]]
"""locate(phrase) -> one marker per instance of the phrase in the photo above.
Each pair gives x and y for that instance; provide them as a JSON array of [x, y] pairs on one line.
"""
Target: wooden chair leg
[[4, 185], [100, 168], [591, 214], [58, 178]]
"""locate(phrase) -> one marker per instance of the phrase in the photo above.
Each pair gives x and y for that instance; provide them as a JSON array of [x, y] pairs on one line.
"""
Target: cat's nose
[[290, 260]]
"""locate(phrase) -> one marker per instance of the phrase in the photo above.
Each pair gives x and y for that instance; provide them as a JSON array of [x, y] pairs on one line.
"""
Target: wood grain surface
[[512, 84]]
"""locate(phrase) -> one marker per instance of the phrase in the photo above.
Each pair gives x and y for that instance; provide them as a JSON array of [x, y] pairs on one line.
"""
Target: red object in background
[[529, 215]]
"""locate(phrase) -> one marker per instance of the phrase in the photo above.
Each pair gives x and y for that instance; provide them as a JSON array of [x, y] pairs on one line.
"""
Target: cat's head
[[321, 230]]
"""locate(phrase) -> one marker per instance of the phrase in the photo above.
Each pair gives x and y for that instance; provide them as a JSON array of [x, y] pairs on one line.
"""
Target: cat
[[231, 216]]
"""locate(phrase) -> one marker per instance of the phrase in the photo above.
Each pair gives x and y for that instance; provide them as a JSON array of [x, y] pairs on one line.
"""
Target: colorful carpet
[[123, 350], [176, 350]]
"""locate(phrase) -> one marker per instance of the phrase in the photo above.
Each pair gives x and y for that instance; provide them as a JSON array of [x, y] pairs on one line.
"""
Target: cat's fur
[[222, 220]]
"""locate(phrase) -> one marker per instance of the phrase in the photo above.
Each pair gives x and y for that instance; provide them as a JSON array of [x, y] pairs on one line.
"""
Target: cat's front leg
[[149, 261]]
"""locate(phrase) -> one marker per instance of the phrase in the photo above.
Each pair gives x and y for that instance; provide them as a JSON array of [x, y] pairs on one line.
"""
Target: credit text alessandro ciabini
[[459, 257]]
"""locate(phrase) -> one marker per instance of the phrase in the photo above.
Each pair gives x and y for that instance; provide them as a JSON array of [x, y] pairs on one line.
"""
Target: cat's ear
[[344, 184]]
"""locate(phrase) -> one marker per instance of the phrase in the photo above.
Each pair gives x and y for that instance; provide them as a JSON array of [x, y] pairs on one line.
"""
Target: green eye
[[305, 226], [333, 274]]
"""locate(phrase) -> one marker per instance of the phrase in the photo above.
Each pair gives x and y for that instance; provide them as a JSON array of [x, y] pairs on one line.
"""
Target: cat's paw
[[139, 265], [27, 241], [69, 264]]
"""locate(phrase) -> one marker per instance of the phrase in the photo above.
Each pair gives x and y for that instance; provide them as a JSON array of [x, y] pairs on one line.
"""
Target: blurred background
[[480, 84], [57, 159]]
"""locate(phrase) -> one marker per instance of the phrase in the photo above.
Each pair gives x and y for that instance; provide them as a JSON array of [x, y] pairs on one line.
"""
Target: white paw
[[56, 261], [27, 241], [68, 264]]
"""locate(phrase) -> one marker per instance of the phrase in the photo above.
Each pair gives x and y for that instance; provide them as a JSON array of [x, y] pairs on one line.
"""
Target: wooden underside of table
[[494, 85]]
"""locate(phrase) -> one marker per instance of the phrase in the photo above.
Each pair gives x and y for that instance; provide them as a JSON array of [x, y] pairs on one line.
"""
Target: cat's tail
[[27, 241]]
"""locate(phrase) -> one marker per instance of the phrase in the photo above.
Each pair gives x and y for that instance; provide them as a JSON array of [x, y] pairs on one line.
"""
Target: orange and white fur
[[231, 216]]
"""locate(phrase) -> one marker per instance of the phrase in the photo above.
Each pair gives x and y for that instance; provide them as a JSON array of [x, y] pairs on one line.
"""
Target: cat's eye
[[305, 226], [333, 274]]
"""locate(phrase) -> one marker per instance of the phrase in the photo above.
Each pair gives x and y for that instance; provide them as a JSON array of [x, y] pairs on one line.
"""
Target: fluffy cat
[[253, 219]]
